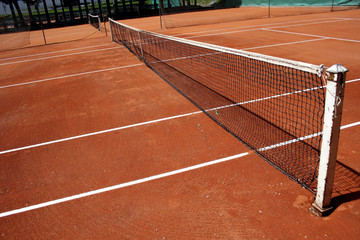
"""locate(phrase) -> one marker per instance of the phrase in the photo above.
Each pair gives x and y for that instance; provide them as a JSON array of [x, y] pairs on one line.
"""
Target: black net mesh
[[94, 20], [274, 109]]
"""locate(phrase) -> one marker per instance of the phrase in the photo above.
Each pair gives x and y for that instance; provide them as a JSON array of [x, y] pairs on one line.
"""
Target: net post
[[335, 87], [111, 31]]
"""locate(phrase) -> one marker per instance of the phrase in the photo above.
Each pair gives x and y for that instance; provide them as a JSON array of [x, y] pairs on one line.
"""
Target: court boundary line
[[99, 132], [309, 22], [312, 35], [158, 176], [63, 55], [146, 122], [284, 44], [14, 37], [258, 47], [46, 53], [95, 71], [71, 75], [122, 185], [141, 180], [258, 25], [261, 28]]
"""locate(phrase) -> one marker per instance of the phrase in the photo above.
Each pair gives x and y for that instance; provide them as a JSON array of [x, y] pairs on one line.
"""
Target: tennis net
[[274, 106], [95, 21]]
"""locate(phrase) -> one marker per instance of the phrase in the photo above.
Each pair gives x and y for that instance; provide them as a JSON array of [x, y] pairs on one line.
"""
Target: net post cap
[[337, 68]]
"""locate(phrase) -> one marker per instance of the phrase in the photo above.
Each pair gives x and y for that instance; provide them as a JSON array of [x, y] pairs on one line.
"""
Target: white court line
[[350, 125], [259, 25], [122, 185], [303, 138], [311, 35], [63, 55], [261, 28], [46, 53], [283, 44], [156, 120], [99, 132], [138, 181], [71, 75], [19, 84], [10, 39], [354, 80], [153, 121]]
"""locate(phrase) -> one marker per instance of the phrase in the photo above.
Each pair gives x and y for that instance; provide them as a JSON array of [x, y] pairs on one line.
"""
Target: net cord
[[306, 67]]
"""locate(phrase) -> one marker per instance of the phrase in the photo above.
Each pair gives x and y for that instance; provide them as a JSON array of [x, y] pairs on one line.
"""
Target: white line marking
[[46, 53], [223, 33], [304, 24], [312, 35], [260, 25], [63, 55], [142, 180], [155, 121], [260, 28], [289, 142], [283, 44], [350, 125], [99, 132], [304, 138], [71, 75], [11, 39], [354, 80], [159, 120], [122, 185]]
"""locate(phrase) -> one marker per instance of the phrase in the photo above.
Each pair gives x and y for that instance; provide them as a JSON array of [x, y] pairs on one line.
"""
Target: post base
[[320, 212]]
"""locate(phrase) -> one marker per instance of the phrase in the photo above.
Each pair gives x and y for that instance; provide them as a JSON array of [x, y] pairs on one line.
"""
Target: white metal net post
[[331, 131]]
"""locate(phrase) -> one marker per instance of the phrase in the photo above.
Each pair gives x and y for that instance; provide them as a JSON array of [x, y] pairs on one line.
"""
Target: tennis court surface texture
[[95, 145]]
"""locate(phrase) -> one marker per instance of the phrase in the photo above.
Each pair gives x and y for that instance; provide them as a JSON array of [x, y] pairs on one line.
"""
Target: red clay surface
[[244, 198]]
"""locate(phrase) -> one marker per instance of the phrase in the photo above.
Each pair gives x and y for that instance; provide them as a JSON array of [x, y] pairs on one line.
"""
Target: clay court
[[95, 145]]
